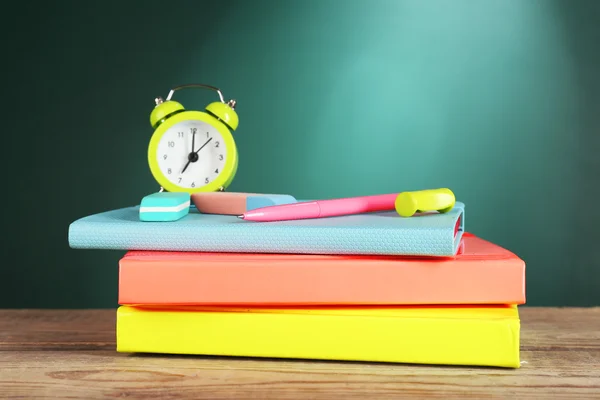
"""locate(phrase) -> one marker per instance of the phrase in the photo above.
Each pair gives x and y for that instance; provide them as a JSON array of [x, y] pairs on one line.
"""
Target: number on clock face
[[191, 167]]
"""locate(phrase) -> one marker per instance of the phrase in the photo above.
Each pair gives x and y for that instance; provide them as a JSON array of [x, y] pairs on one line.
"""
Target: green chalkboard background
[[498, 100]]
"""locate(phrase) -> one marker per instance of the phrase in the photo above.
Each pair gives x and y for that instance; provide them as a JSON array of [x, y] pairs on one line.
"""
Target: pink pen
[[322, 208]]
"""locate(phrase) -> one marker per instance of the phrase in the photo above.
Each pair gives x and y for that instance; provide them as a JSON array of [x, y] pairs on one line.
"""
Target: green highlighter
[[409, 203]]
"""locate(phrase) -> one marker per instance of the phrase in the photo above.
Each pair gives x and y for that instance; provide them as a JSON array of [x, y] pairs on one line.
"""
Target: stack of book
[[369, 287]]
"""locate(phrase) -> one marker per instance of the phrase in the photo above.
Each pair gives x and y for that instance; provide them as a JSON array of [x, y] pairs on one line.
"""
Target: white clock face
[[191, 154]]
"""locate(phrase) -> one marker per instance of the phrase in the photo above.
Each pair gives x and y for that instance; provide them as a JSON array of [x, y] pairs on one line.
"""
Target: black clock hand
[[203, 146], [193, 145], [193, 157], [188, 163]]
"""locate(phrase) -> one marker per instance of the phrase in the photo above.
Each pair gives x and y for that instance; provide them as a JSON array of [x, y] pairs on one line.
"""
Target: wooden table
[[71, 354]]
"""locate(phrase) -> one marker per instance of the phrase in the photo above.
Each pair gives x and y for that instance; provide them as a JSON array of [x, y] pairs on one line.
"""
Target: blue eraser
[[258, 201], [164, 206]]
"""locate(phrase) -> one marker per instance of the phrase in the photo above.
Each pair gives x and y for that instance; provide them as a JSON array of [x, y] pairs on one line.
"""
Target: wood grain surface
[[70, 354]]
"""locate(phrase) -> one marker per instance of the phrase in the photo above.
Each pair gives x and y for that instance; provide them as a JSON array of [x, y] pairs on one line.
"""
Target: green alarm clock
[[193, 151]]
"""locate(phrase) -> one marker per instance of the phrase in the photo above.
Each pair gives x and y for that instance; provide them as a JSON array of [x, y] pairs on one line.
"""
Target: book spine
[[275, 239], [437, 340], [365, 281]]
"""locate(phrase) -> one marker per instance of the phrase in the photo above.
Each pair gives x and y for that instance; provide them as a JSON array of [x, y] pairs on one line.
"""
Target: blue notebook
[[382, 233]]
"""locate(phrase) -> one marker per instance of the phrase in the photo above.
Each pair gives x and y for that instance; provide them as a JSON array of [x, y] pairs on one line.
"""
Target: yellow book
[[471, 335]]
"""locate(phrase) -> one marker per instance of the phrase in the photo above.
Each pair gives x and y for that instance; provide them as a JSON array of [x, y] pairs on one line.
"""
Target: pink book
[[481, 273]]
